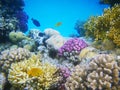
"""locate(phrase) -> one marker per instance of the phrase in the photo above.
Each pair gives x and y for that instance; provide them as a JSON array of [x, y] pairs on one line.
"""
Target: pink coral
[[71, 48]]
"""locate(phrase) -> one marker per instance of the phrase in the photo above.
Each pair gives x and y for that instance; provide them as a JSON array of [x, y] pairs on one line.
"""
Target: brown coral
[[77, 79], [8, 57], [102, 73]]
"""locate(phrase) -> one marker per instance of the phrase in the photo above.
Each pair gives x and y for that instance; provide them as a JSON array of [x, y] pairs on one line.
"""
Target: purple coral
[[23, 19], [72, 47], [64, 73]]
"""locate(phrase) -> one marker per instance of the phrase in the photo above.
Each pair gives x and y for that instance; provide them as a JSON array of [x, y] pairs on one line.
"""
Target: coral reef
[[105, 26], [38, 36], [33, 74], [9, 18], [102, 72], [71, 49], [7, 57]]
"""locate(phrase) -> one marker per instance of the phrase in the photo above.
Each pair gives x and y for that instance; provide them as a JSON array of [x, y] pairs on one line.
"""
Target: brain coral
[[32, 73], [72, 48], [8, 57], [102, 73]]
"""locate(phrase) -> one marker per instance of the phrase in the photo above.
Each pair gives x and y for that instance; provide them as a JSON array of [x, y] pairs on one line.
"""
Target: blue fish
[[35, 22]]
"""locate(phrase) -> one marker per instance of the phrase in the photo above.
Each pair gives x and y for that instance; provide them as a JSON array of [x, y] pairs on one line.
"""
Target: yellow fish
[[58, 24]]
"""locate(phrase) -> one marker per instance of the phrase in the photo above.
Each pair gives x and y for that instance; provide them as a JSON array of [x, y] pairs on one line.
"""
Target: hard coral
[[8, 57], [102, 73], [72, 48], [9, 20], [76, 81], [22, 18], [16, 37], [32, 73], [105, 26]]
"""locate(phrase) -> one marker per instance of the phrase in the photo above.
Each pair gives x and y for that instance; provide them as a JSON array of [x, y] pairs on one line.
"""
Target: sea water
[[50, 12]]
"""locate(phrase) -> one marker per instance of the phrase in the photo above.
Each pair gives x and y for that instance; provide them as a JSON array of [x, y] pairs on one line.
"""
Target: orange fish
[[58, 24]]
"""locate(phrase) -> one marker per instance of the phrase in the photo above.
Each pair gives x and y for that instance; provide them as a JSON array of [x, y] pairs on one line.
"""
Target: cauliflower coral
[[33, 74], [72, 48]]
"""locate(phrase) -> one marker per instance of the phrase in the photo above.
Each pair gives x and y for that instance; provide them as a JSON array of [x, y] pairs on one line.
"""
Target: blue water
[[49, 12]]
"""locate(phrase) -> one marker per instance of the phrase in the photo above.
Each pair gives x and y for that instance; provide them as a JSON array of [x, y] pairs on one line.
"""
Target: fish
[[36, 22], [58, 24]]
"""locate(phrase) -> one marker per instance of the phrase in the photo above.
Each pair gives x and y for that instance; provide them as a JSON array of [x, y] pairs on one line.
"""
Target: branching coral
[[32, 73], [8, 57], [102, 73], [105, 26], [89, 26], [76, 81], [114, 34]]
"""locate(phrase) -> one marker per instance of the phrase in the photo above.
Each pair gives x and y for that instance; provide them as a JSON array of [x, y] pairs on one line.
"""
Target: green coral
[[105, 26], [16, 37]]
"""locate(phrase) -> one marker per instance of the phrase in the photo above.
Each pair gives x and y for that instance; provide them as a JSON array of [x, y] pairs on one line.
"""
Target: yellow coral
[[105, 26], [32, 72], [114, 34], [87, 53]]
